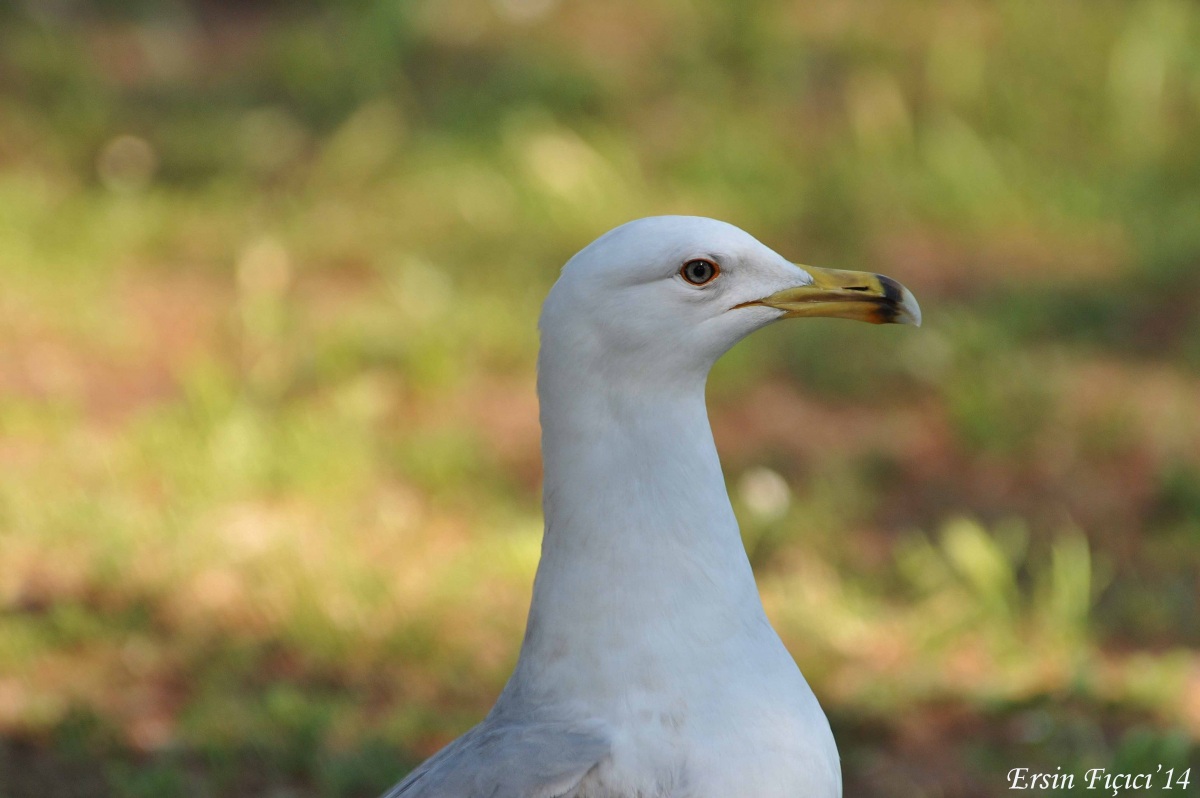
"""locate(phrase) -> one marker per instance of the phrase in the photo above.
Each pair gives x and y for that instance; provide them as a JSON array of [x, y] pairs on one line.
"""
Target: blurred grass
[[267, 422]]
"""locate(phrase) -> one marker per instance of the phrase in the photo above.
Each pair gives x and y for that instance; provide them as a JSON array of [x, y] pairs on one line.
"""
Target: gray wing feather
[[498, 759]]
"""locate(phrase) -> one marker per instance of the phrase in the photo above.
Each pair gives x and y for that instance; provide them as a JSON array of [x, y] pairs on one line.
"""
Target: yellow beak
[[847, 295]]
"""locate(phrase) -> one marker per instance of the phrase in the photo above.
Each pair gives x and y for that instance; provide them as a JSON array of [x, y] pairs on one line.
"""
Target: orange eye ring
[[699, 271]]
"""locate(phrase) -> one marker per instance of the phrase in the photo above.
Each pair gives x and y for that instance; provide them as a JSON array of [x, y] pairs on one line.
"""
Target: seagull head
[[661, 298]]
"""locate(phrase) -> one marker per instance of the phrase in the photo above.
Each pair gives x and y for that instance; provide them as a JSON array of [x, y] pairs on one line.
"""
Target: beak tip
[[904, 306], [907, 310], [911, 311]]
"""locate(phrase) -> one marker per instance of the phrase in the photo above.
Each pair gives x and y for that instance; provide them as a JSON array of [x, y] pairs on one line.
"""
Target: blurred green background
[[269, 274]]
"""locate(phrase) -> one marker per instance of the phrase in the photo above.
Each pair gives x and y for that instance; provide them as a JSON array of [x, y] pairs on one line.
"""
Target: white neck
[[624, 573]]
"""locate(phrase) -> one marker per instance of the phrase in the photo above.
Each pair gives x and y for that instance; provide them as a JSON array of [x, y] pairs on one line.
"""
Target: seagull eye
[[699, 271]]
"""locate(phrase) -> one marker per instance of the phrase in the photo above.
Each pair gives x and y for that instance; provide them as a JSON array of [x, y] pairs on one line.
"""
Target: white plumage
[[649, 667]]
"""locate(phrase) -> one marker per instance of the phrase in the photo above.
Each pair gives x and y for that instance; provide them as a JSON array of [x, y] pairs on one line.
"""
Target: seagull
[[649, 668]]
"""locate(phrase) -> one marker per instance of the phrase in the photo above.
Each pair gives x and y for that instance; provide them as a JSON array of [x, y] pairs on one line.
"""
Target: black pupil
[[699, 271]]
